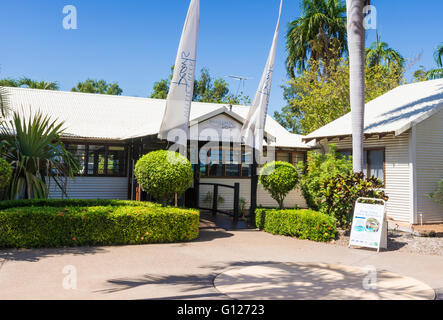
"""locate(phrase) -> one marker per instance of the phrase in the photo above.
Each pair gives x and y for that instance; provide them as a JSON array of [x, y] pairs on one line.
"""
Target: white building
[[403, 144], [115, 131]]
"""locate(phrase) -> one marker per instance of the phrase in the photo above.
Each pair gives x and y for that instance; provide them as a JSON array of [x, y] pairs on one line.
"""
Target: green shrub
[[317, 170], [163, 174], [339, 194], [303, 224], [59, 225], [61, 203], [438, 195], [278, 178], [5, 173]]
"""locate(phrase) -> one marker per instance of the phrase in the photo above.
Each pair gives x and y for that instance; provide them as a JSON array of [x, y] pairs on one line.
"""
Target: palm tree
[[379, 53], [438, 57], [422, 75], [356, 45], [36, 154], [28, 83], [43, 85], [319, 34]]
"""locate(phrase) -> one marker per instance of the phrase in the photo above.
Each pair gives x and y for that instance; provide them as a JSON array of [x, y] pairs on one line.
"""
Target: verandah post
[[214, 201], [236, 201], [254, 184]]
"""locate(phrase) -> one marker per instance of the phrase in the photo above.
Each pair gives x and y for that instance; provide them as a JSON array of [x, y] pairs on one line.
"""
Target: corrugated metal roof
[[394, 112], [120, 117]]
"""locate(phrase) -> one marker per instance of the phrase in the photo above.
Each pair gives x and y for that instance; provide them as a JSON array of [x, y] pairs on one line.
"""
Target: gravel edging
[[403, 242]]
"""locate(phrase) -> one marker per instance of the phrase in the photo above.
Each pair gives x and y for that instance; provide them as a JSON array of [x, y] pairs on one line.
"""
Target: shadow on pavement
[[34, 255], [282, 281]]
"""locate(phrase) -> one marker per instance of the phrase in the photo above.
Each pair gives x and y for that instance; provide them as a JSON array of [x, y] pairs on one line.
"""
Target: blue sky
[[134, 42]]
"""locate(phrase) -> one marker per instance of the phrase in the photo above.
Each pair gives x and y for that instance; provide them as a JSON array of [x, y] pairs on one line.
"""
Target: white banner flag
[[254, 126], [178, 104]]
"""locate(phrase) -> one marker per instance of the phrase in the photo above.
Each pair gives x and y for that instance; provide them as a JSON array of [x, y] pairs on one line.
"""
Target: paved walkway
[[184, 270]]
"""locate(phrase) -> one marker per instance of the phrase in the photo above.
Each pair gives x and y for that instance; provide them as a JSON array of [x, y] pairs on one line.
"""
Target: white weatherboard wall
[[93, 188], [429, 167], [294, 198], [397, 167]]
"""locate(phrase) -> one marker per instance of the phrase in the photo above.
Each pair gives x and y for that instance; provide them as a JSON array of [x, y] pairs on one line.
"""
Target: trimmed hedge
[[60, 203], [303, 224], [68, 223]]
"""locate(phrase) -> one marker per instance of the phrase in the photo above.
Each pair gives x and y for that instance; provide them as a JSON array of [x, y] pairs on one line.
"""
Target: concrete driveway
[[181, 271]]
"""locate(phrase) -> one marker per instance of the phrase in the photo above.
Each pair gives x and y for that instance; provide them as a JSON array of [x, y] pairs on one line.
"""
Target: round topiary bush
[[278, 178], [5, 173], [163, 174]]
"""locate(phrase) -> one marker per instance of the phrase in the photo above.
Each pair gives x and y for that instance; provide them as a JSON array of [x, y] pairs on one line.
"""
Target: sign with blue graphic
[[369, 225]]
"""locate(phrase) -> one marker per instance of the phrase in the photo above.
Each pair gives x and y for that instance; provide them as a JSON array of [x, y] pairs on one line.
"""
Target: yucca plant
[[34, 150]]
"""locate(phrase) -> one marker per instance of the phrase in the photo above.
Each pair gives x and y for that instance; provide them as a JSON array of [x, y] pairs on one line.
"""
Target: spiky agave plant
[[36, 154]]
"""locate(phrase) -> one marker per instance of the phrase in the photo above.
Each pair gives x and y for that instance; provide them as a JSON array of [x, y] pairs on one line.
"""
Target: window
[[99, 160], [79, 153], [232, 163], [283, 156], [374, 162], [297, 157], [292, 157]]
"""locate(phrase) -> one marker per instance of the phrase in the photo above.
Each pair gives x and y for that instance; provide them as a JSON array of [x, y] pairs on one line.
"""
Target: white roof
[[119, 117], [394, 112]]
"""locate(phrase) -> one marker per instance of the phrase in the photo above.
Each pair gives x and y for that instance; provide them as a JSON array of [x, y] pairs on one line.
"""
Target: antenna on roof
[[242, 82]]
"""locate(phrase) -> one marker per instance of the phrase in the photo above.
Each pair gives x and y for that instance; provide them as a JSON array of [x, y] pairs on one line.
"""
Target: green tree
[[317, 170], [422, 74], [206, 89], [9, 82], [37, 156], [278, 178], [29, 83], [437, 196], [5, 173], [98, 86], [319, 34], [379, 53], [42, 85], [163, 174], [314, 101]]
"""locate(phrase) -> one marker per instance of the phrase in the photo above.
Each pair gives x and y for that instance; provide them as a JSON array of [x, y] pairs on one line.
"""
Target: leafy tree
[[317, 170], [379, 53], [98, 86], [319, 34], [314, 101], [422, 74], [163, 174], [35, 153], [278, 178], [5, 173], [339, 194], [43, 85], [29, 83], [206, 89], [437, 196], [9, 82]]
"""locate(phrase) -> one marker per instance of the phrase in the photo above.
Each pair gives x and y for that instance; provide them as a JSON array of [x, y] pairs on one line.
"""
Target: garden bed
[[302, 224], [61, 223]]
